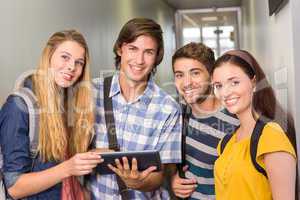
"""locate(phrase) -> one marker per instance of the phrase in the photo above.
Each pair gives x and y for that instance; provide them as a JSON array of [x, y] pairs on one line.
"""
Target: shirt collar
[[145, 97], [115, 86]]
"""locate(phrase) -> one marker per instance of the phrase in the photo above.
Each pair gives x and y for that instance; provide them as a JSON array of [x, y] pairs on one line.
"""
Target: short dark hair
[[135, 28], [196, 51]]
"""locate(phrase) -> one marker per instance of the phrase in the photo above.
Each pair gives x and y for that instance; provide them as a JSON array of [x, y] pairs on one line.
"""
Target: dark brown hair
[[196, 51], [135, 28], [264, 99]]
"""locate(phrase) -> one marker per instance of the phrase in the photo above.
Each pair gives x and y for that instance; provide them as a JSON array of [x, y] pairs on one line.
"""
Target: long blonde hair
[[63, 129]]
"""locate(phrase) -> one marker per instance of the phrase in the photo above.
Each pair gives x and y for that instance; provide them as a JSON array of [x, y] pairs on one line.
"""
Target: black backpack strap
[[257, 131], [109, 116], [185, 123], [111, 131], [224, 142]]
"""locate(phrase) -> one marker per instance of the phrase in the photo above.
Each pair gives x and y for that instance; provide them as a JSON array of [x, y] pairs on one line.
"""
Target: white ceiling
[[196, 4]]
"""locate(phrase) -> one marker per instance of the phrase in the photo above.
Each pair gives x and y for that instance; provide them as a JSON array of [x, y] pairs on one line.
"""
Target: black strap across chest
[[111, 132], [257, 131]]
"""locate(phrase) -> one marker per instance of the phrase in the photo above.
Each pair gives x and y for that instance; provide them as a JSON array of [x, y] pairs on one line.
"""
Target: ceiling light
[[209, 19]]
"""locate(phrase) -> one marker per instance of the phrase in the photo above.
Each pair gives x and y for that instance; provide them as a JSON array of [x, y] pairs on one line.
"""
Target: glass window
[[212, 43], [226, 43], [209, 32], [226, 31], [191, 35]]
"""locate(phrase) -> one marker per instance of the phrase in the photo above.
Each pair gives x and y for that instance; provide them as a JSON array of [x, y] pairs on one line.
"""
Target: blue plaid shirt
[[152, 121]]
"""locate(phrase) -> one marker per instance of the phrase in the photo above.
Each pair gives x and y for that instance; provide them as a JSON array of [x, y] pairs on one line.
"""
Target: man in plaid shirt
[[146, 118]]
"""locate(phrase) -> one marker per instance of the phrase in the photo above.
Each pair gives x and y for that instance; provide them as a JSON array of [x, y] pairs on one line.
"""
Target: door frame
[[178, 22]]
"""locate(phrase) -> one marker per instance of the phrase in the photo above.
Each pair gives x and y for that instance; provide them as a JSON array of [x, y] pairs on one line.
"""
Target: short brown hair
[[135, 28], [196, 51]]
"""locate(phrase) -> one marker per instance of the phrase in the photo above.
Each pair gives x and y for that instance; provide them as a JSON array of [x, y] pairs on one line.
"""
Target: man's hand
[[183, 187], [131, 177]]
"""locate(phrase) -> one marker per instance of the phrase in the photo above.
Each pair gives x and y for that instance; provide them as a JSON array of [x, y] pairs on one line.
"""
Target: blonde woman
[[60, 85]]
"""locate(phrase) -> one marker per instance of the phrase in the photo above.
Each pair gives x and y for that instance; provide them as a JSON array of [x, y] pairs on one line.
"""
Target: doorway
[[218, 28]]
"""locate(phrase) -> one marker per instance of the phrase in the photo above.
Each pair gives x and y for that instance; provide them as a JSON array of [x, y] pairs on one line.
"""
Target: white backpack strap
[[23, 77], [2, 189], [33, 110]]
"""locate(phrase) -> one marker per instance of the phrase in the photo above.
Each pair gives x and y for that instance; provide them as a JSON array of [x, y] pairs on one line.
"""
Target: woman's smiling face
[[233, 87], [67, 63]]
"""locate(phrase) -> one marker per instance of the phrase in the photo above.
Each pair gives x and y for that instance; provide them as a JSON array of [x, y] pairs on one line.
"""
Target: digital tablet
[[145, 159]]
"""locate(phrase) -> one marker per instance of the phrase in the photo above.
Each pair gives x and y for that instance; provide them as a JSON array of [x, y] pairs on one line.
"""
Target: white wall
[[270, 39], [26, 26], [275, 42], [295, 7]]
